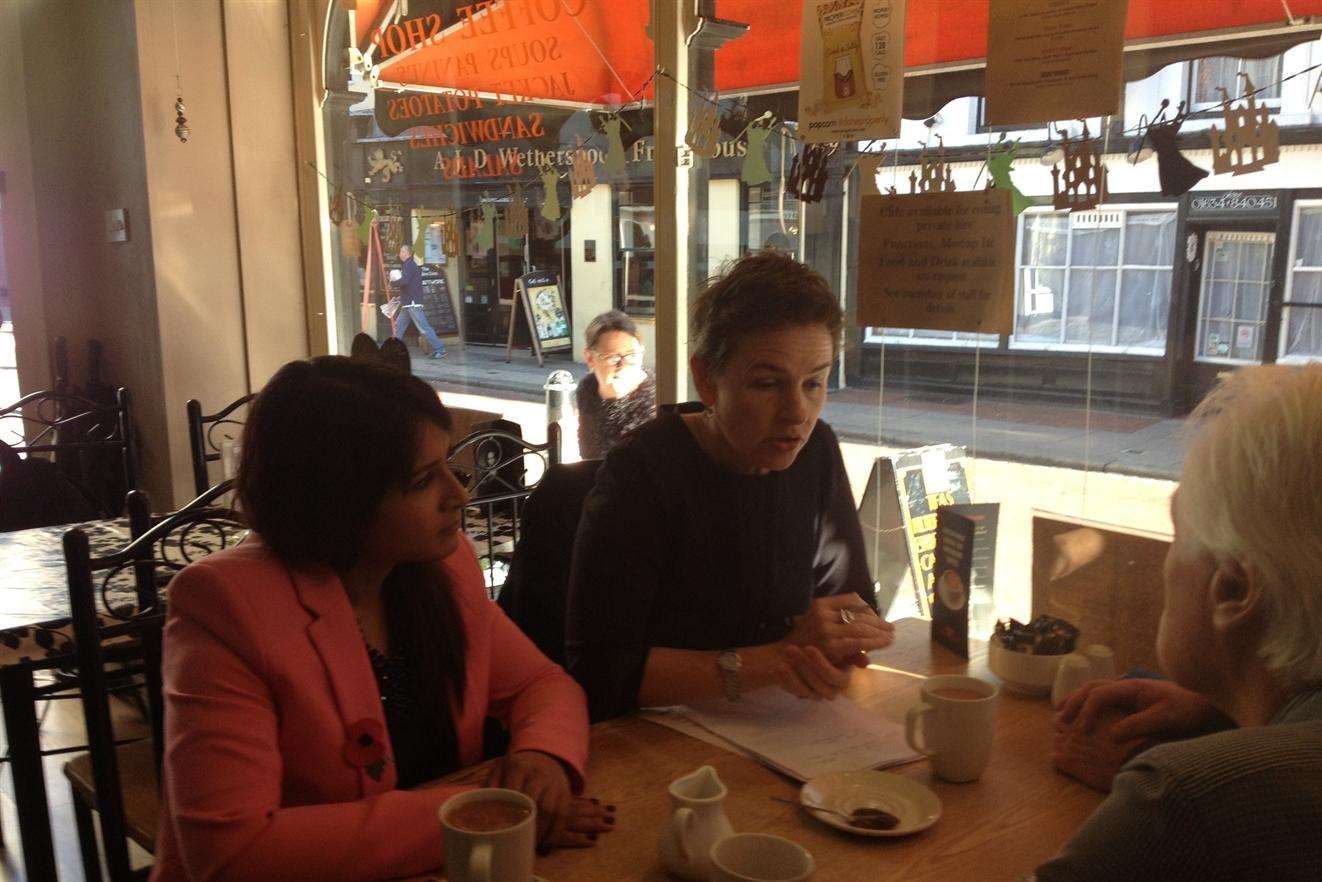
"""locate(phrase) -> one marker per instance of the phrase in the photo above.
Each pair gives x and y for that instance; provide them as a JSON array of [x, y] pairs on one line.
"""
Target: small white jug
[[697, 822]]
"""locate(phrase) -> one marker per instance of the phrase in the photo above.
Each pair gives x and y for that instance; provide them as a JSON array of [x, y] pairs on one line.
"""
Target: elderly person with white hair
[[1241, 641]]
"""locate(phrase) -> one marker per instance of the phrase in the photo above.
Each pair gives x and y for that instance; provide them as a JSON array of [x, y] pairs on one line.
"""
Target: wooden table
[[997, 828]]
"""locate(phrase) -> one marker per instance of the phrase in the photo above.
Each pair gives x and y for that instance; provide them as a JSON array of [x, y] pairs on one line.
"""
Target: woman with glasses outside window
[[720, 551], [619, 394]]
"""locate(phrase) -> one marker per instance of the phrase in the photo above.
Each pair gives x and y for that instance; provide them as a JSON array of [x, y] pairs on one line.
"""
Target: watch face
[[729, 661]]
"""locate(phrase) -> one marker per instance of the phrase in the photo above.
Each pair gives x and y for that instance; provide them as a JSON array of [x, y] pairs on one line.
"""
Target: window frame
[[1210, 109], [1290, 269], [1113, 348]]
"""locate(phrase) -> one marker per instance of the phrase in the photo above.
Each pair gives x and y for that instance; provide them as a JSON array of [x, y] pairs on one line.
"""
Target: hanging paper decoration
[[450, 237], [348, 231], [551, 199], [1080, 184], [516, 215], [365, 228], [582, 173], [336, 206], [615, 145], [1248, 128], [1176, 173], [755, 170], [486, 237], [934, 175], [807, 179], [998, 168], [705, 128], [420, 243]]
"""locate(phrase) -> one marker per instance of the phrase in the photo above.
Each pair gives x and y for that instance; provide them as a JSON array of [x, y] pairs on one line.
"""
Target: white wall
[[592, 281], [722, 223], [18, 212]]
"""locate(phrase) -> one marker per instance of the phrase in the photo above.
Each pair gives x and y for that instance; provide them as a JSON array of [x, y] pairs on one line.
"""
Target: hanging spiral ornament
[[180, 121]]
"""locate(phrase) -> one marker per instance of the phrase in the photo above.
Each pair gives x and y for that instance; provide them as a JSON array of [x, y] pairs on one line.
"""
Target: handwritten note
[[804, 739]]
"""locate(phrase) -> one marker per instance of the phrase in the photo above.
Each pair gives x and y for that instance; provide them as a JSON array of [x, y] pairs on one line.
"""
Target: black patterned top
[[424, 749]]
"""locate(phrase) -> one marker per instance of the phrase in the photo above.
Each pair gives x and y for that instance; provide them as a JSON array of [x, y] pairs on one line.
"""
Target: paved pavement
[[1012, 430]]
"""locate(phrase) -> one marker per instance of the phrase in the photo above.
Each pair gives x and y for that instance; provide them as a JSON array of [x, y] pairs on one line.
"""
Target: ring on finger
[[846, 617]]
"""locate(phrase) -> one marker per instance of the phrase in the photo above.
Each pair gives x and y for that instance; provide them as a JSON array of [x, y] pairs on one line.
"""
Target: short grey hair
[[614, 320], [1252, 491]]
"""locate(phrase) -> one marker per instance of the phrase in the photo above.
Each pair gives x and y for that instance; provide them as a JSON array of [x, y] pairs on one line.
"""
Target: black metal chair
[[500, 470], [535, 591], [83, 436], [208, 432], [118, 645]]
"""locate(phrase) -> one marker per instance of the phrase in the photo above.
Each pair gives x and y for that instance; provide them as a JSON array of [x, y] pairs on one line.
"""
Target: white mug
[[957, 731], [759, 857], [501, 855]]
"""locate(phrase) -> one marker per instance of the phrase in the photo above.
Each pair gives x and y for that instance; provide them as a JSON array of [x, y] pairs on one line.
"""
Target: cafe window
[[1207, 76], [1095, 279], [1301, 318], [930, 338]]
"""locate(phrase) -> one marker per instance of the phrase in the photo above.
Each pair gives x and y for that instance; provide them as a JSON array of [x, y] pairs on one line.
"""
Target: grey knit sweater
[[1240, 804]]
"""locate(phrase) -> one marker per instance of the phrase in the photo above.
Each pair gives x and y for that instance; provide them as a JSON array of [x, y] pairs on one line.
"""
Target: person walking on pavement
[[409, 286]]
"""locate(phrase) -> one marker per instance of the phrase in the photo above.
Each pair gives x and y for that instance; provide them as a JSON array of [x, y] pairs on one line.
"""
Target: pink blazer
[[266, 673]]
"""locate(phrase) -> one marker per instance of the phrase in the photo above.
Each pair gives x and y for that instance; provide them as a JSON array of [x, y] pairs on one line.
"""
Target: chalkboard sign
[[437, 302]]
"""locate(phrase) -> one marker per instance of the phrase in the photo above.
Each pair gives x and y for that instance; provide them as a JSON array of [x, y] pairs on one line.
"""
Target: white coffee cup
[[759, 857], [957, 732], [501, 855]]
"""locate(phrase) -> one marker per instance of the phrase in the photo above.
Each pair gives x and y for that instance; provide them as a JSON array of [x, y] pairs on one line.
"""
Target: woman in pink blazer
[[348, 651]]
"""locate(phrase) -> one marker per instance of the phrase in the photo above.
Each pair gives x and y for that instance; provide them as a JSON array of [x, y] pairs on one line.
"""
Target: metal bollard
[[560, 386]]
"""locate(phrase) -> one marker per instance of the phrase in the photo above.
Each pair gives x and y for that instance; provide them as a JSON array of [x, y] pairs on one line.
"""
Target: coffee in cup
[[954, 725], [489, 835], [488, 815]]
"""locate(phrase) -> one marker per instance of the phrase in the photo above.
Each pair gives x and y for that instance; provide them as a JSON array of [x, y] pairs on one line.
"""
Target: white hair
[[1252, 492]]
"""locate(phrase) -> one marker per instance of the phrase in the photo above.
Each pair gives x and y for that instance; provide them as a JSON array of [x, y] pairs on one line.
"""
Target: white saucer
[[916, 806]]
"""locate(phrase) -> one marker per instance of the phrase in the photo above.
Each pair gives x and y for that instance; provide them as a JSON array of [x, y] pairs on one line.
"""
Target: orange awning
[[946, 32], [602, 55]]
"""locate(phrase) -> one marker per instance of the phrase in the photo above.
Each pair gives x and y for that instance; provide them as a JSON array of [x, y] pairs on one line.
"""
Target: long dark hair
[[324, 442]]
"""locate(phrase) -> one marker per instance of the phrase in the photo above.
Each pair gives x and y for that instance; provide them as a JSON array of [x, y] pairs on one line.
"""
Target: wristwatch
[[728, 664]]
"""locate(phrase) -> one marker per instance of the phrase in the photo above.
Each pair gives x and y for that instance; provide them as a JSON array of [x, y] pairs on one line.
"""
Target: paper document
[[804, 739]]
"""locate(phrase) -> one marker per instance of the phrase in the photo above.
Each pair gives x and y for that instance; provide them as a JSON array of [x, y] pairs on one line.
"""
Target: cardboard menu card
[[965, 561], [1048, 60]]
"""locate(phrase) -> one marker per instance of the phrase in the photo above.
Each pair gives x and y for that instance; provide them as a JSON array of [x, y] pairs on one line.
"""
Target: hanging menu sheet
[[1054, 59], [939, 261], [851, 80]]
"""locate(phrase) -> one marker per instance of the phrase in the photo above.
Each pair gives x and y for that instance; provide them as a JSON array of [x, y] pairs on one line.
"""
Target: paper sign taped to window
[[851, 81], [1048, 60], [937, 261]]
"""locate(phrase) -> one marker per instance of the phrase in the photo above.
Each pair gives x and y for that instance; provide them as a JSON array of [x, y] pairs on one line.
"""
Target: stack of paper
[[801, 739]]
